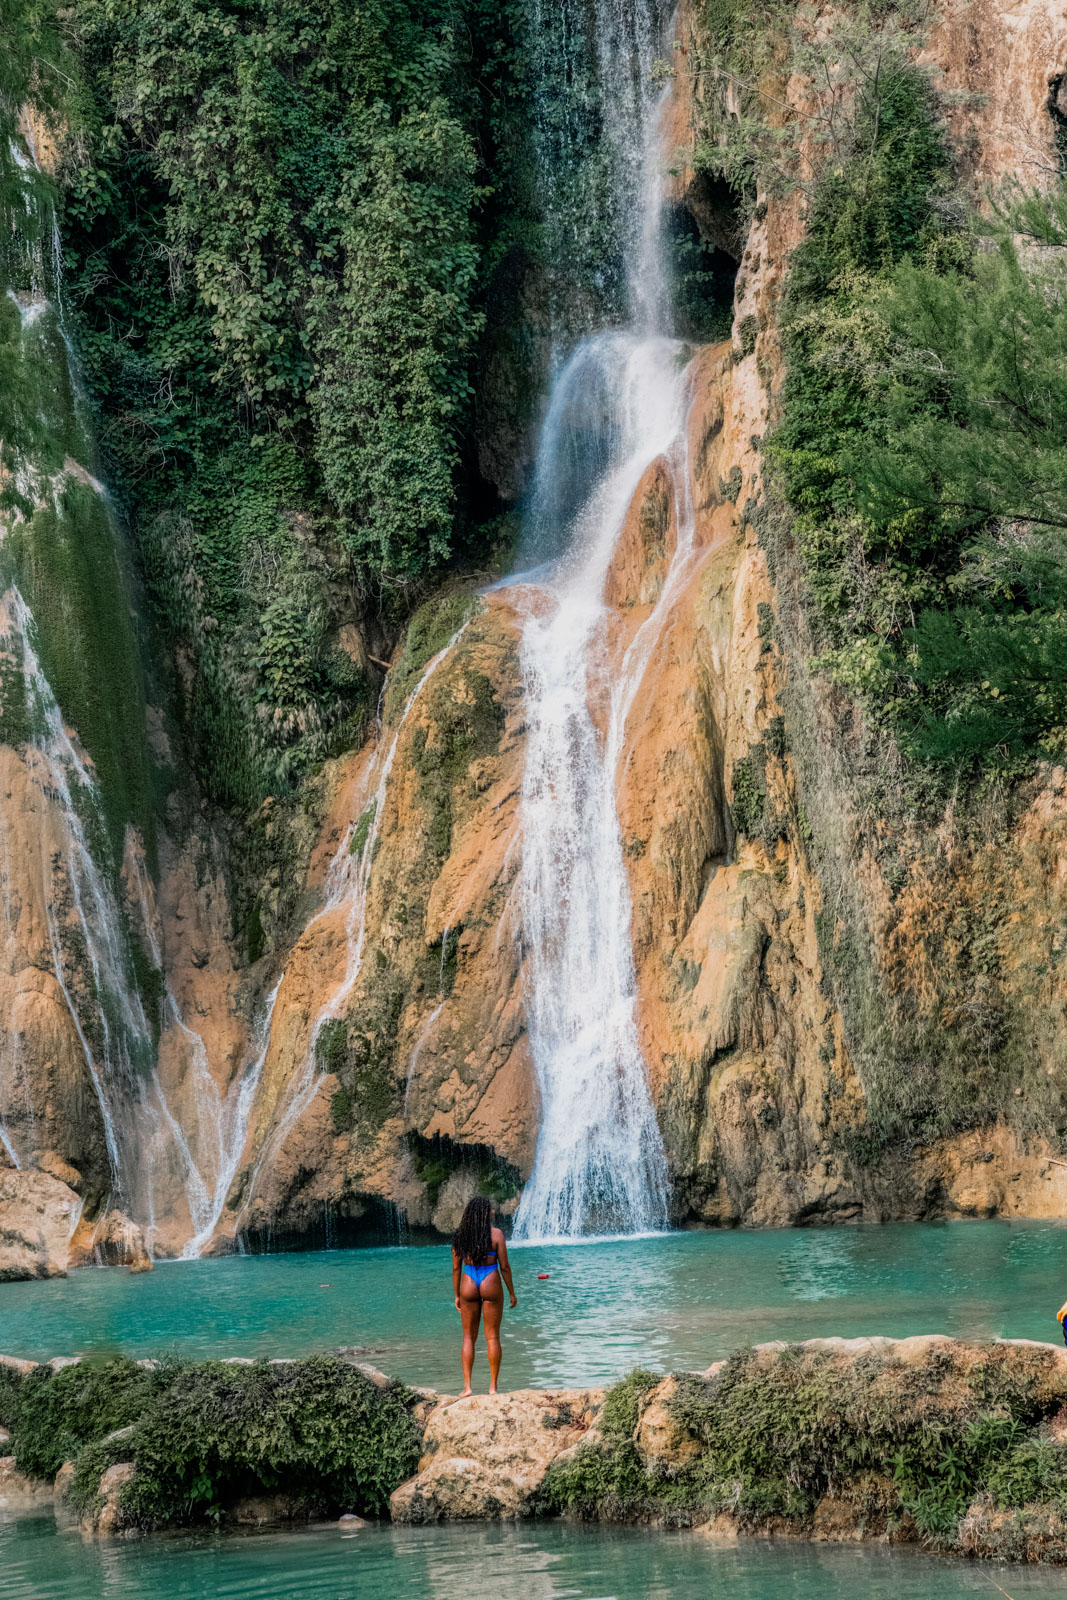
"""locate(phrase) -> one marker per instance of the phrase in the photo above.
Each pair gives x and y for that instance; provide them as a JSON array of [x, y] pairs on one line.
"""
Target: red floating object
[[542, 1274]]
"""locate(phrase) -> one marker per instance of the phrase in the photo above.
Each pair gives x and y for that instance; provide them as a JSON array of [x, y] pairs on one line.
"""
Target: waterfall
[[618, 403], [83, 922], [347, 885], [88, 926]]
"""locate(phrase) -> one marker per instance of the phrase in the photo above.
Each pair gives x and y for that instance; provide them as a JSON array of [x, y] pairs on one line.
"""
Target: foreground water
[[679, 1301], [529, 1562]]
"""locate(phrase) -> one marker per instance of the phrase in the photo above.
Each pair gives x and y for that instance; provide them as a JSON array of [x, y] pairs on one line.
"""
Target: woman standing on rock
[[479, 1261]]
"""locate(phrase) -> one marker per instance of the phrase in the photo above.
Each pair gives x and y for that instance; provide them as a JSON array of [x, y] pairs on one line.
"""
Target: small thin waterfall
[[153, 1149], [234, 1116], [618, 403], [84, 927], [347, 884]]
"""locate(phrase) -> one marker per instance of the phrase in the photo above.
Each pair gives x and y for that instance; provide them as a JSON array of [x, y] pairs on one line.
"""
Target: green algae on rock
[[958, 1446]]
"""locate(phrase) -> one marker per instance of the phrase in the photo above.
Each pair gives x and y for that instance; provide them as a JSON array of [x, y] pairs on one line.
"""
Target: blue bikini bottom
[[479, 1274]]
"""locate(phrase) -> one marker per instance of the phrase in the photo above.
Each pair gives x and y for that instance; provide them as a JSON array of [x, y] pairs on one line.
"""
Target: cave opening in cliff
[[364, 1220], [703, 237]]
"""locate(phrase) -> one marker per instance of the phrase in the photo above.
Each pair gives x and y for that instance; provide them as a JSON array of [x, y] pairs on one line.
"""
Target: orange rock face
[[397, 1053]]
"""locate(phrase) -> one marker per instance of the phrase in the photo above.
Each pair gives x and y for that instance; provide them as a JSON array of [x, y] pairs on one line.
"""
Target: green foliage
[[438, 1158], [279, 228], [923, 446], [69, 562], [362, 1052], [317, 1431], [361, 831], [36, 70], [202, 1435], [51, 1415], [428, 632], [750, 794], [462, 731], [331, 1045], [10, 1389], [769, 1438], [342, 1110]]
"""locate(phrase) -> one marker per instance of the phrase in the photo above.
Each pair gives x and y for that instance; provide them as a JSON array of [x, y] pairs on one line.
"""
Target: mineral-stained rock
[[114, 1240], [19, 1493], [662, 1440], [485, 1457], [108, 1517], [38, 1215]]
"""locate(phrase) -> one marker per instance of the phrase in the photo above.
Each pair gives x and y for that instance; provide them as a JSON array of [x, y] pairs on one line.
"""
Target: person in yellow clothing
[[1061, 1318]]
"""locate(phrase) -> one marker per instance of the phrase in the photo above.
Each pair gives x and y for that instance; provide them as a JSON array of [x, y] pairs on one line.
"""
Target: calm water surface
[[529, 1562], [679, 1301]]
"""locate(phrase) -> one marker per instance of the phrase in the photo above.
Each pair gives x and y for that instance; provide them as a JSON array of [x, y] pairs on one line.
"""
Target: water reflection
[[526, 1562]]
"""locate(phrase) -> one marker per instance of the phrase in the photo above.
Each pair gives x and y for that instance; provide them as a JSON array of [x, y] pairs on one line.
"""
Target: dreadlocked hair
[[473, 1239]]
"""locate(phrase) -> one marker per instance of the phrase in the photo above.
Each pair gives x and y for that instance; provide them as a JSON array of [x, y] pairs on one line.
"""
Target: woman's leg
[[492, 1311], [470, 1310]]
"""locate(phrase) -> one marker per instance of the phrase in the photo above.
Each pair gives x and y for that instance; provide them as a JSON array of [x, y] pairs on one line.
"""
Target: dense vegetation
[[922, 445], [202, 1435], [904, 1447], [280, 227]]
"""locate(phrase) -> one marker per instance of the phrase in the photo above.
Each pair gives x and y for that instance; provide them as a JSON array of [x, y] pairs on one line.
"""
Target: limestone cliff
[[365, 1054], [760, 1043]]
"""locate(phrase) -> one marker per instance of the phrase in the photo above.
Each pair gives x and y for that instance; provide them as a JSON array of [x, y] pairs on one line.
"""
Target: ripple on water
[[680, 1300], [536, 1562]]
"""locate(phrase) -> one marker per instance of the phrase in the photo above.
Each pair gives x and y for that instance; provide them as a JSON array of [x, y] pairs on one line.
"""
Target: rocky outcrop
[[18, 1492], [960, 1446], [390, 1072], [486, 1457], [38, 1217]]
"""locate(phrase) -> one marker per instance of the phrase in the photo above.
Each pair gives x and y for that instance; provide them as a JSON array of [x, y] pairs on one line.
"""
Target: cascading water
[[83, 924], [86, 925], [347, 885], [619, 402]]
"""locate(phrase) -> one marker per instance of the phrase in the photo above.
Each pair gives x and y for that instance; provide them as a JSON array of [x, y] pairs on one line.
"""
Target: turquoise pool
[[527, 1562], [679, 1301]]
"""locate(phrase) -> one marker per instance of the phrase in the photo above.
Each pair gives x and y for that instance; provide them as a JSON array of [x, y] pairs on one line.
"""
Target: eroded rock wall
[[371, 1051]]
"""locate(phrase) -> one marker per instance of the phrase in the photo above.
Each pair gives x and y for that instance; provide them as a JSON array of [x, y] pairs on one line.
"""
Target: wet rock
[[108, 1517], [38, 1215], [485, 1457], [265, 1510], [350, 1522], [114, 1241], [455, 1193], [664, 1442], [17, 1491], [64, 1479]]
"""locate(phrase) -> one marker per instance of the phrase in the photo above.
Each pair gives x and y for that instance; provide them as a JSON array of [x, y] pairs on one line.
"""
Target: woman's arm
[[457, 1267], [504, 1264]]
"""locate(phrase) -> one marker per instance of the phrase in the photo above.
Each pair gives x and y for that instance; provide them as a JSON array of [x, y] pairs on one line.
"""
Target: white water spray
[[82, 916], [619, 403]]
